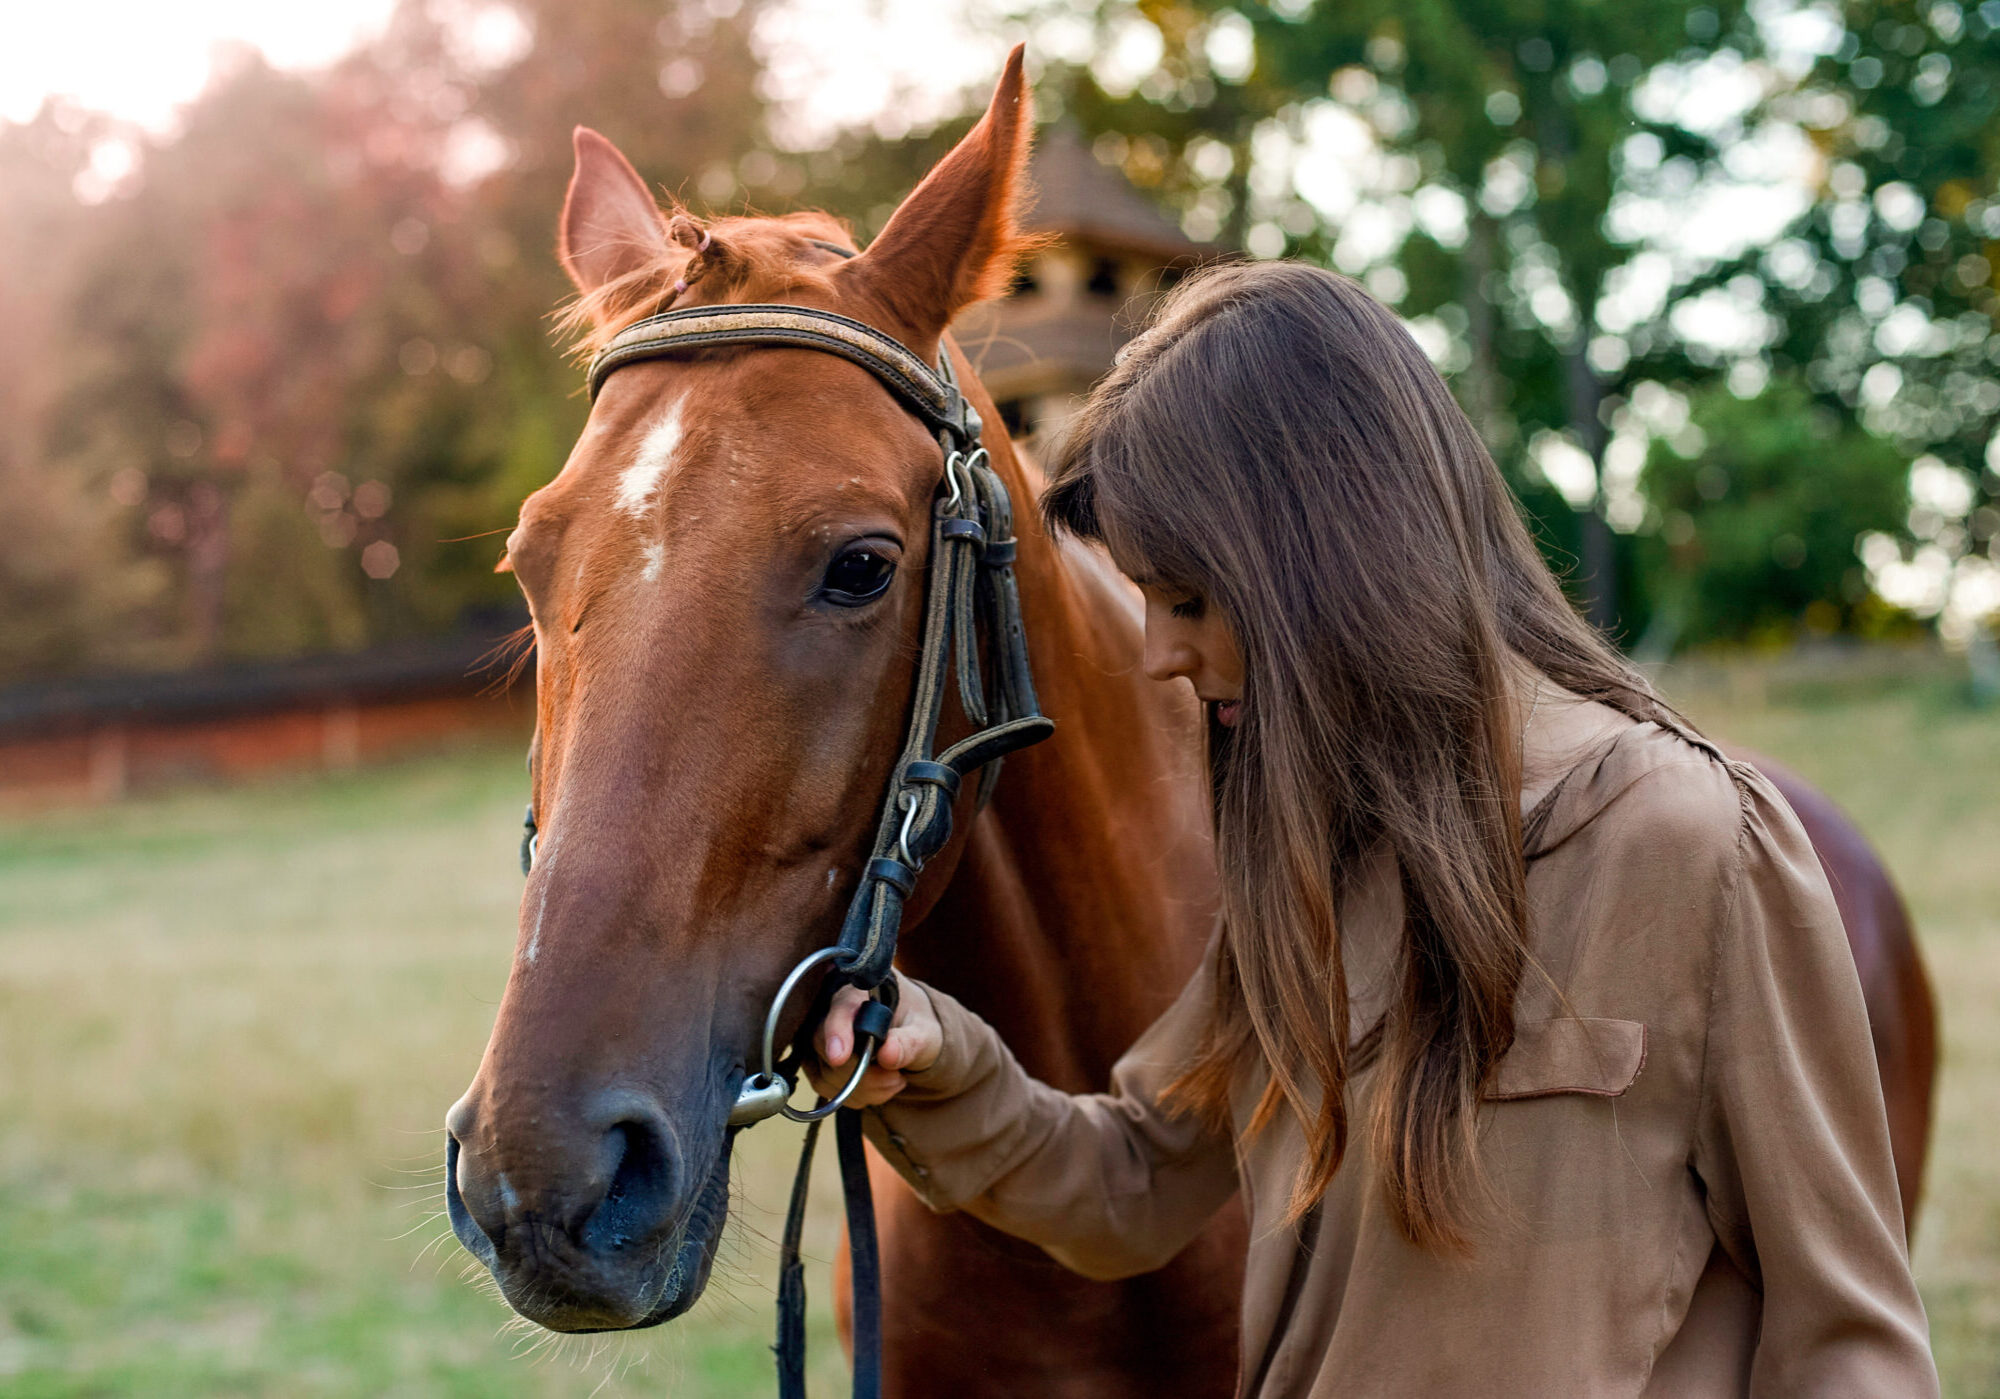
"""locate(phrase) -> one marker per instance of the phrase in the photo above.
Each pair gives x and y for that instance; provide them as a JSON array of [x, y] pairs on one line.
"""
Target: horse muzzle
[[603, 1223]]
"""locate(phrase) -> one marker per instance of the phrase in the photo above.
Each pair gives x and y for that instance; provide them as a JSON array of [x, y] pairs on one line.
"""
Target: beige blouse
[[1687, 1146]]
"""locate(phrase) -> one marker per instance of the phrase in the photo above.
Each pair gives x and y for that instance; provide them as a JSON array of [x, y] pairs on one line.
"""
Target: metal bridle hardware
[[970, 580], [768, 1092], [909, 804]]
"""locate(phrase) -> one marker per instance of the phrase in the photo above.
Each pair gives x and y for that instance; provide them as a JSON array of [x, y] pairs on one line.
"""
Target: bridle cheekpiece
[[970, 582]]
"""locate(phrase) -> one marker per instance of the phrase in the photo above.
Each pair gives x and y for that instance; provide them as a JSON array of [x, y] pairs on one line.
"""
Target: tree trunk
[[1481, 379], [208, 568], [1597, 567]]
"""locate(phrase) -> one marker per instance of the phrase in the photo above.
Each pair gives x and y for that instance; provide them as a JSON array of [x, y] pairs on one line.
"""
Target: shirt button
[[921, 1172], [897, 1140]]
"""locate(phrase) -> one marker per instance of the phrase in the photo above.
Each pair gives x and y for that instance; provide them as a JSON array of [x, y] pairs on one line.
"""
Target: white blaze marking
[[639, 483], [656, 559], [545, 860]]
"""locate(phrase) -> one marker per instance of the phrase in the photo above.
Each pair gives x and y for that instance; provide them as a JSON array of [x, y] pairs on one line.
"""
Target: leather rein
[[970, 587]]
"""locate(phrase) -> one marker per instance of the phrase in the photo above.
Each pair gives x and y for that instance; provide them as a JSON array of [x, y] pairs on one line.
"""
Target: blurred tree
[[1887, 287], [1760, 507], [243, 316], [274, 373], [71, 593], [1464, 160]]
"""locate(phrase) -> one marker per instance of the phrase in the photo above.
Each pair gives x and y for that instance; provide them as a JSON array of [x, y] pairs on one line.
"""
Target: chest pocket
[[1572, 1054]]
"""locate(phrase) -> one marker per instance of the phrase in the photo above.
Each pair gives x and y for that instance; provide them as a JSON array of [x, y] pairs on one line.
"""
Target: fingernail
[[836, 1049]]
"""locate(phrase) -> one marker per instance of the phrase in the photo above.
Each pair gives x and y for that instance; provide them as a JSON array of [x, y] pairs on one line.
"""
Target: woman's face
[[1187, 639]]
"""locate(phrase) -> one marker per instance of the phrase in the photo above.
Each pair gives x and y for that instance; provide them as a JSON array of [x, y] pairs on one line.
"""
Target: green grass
[[230, 1023]]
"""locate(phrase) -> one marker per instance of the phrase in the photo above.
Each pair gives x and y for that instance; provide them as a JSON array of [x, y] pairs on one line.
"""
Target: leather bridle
[[970, 582]]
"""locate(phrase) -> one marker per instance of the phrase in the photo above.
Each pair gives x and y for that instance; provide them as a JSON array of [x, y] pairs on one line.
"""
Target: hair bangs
[[1107, 479]]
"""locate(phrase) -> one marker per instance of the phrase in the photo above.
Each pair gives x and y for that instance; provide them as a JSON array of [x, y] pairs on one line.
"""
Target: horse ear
[[955, 239], [610, 224]]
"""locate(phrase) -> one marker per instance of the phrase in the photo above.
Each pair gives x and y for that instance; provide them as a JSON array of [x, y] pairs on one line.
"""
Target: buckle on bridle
[[958, 469]]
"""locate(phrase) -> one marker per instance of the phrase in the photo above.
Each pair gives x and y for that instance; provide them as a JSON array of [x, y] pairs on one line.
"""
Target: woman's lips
[[1227, 712]]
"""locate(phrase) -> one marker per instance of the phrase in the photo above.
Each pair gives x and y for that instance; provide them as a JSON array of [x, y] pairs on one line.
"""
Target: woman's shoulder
[[1645, 785], [1660, 851]]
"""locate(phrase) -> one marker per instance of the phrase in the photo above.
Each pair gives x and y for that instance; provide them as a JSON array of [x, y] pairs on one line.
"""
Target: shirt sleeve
[[1792, 1141], [1110, 1184]]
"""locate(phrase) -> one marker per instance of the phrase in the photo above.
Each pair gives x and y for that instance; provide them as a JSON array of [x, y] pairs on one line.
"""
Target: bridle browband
[[970, 581]]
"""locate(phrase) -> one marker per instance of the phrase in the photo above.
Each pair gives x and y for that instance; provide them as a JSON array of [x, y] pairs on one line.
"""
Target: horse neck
[[1086, 889]]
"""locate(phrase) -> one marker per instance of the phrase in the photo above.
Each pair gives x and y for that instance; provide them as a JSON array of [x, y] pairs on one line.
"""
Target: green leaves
[[1579, 202]]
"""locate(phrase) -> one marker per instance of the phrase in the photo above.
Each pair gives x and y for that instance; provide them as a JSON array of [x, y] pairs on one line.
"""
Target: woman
[[1529, 1033]]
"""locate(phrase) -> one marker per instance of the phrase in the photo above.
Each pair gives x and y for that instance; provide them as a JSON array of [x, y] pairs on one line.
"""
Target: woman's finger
[[836, 1031], [911, 1045], [881, 1085], [915, 1038], [904, 1046]]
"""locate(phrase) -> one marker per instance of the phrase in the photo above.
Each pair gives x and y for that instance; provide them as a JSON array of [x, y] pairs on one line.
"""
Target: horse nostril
[[641, 1190], [479, 1236]]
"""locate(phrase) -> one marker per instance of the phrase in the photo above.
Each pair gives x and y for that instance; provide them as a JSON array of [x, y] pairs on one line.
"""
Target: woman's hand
[[911, 1046]]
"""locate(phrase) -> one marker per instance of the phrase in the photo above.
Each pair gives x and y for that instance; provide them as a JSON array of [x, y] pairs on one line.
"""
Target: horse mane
[[757, 254]]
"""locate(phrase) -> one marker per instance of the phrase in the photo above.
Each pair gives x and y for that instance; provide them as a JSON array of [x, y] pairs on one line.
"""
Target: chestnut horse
[[717, 720], [726, 580]]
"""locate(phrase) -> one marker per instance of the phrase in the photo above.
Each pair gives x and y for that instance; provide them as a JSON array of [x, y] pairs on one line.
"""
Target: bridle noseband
[[970, 582]]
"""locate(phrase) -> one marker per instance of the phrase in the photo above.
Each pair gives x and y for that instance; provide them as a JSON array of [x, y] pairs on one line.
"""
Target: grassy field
[[230, 1023]]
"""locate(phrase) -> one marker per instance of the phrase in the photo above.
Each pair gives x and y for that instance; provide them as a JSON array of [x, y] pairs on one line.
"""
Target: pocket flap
[[1571, 1054]]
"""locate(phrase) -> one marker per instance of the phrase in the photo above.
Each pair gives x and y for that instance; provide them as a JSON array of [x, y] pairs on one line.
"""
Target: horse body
[[717, 722], [719, 707]]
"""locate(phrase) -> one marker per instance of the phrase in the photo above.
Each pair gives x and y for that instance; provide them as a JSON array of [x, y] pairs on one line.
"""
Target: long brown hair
[[1277, 445]]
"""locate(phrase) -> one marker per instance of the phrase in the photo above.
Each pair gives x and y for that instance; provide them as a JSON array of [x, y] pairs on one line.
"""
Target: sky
[[140, 60], [842, 61]]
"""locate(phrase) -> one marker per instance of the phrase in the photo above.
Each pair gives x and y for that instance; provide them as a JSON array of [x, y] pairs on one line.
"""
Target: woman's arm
[[1109, 1183], [1793, 1140]]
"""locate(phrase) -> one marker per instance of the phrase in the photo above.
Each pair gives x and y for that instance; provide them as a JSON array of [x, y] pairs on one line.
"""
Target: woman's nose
[[1167, 657]]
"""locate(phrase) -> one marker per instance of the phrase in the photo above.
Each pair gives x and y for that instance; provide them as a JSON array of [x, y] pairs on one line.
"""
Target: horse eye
[[856, 577]]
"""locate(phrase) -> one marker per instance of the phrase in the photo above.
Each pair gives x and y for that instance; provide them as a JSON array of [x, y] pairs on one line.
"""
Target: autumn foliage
[[271, 391]]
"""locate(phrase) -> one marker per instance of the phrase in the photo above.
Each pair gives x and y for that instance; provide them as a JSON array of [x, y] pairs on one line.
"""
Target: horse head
[[726, 581]]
